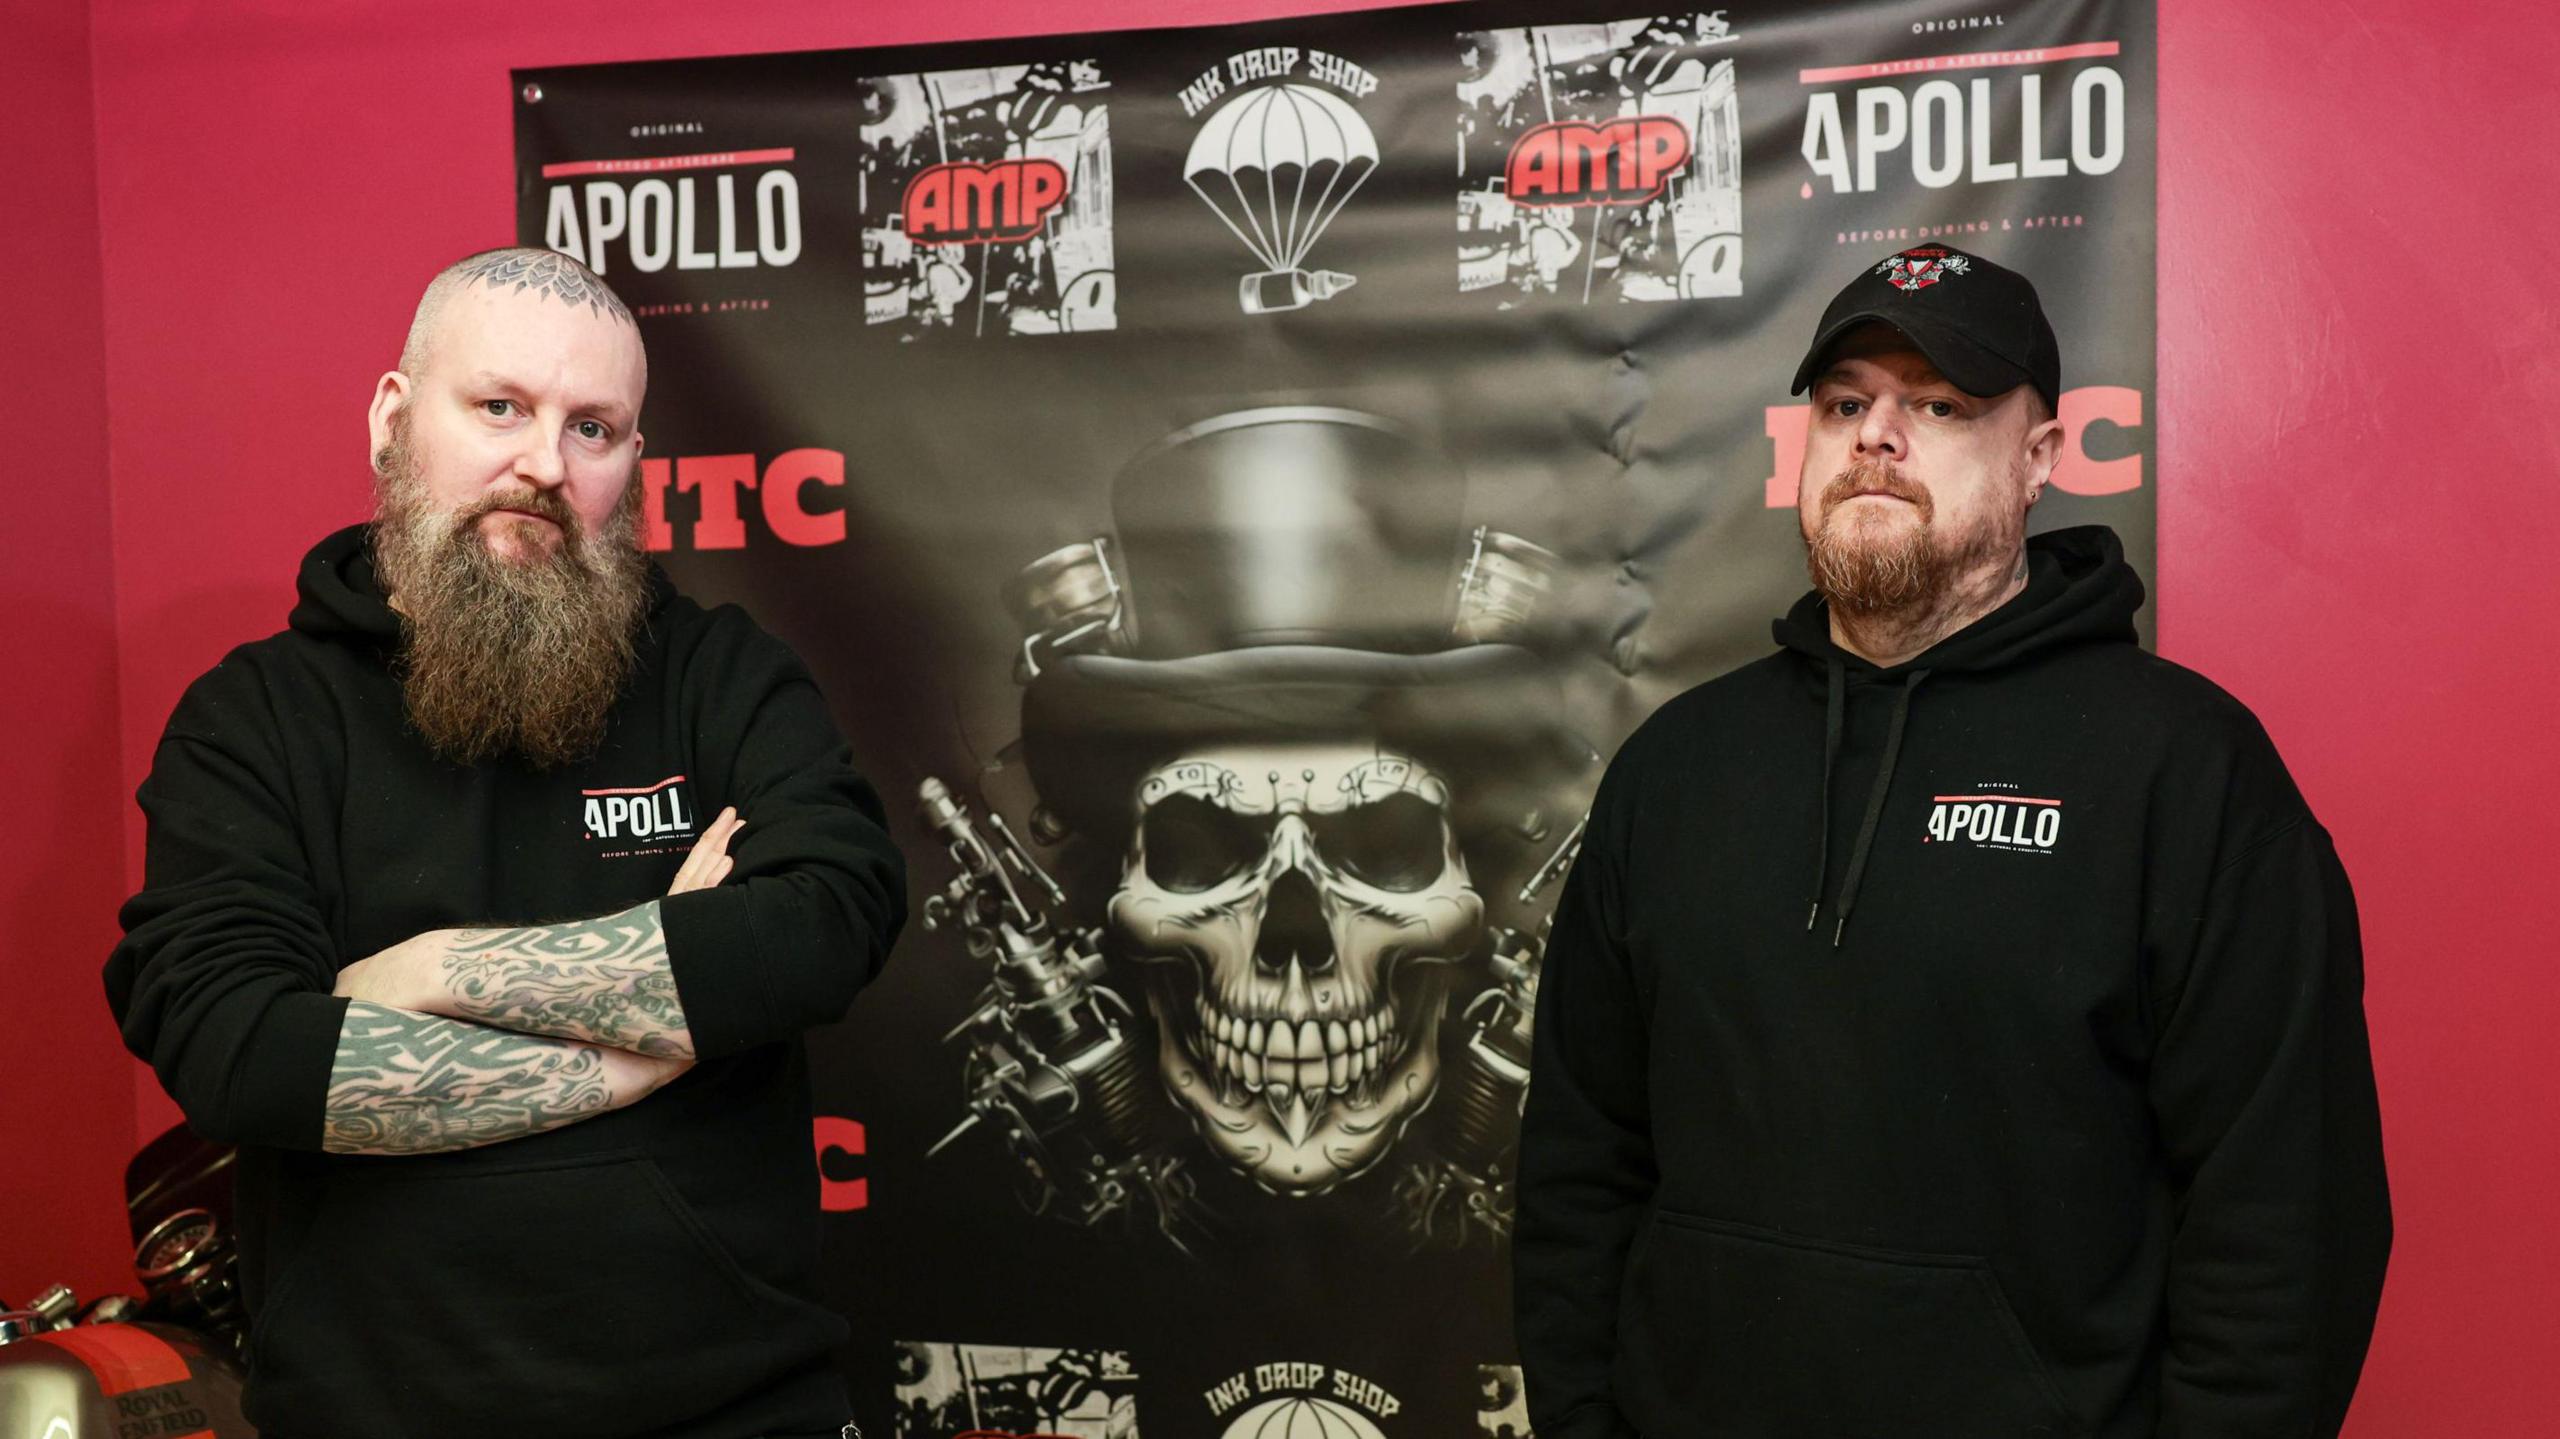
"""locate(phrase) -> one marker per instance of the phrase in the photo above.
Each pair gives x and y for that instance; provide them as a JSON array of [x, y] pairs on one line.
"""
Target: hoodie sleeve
[[222, 980], [2262, 1085], [1586, 1147], [819, 891]]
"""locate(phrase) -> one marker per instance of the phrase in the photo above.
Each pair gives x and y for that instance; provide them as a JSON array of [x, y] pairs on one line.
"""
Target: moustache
[[544, 503], [1875, 477]]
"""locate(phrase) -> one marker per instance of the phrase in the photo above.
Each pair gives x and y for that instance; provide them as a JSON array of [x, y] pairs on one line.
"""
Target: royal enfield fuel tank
[[118, 1381]]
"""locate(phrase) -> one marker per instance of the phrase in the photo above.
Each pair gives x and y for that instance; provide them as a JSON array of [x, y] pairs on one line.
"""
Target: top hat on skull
[[1290, 707]]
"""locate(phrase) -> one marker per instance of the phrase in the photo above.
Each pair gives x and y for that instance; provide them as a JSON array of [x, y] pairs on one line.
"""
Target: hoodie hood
[[2079, 591], [338, 595]]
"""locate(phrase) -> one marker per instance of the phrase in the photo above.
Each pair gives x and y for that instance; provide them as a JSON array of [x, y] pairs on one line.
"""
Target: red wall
[[2355, 344], [2358, 535], [65, 1085]]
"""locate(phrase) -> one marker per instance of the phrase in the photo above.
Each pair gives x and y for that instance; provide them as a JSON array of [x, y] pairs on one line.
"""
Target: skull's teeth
[[1279, 1059]]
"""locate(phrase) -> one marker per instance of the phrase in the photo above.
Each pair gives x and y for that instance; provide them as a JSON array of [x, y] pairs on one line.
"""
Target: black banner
[[1235, 485]]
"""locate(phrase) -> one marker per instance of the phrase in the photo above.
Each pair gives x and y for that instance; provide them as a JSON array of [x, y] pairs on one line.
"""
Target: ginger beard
[[1871, 560], [501, 656]]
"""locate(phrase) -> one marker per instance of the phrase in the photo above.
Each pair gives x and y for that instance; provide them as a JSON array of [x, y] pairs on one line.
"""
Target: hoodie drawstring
[[1875, 804], [1834, 707]]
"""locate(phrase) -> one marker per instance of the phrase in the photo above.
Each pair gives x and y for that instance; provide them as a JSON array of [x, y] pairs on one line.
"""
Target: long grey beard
[[502, 657]]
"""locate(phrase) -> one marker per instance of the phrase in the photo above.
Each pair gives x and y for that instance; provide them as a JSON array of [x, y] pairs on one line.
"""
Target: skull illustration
[[1297, 907]]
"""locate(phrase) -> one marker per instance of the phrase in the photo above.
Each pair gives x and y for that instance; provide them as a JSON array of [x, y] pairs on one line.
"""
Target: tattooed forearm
[[604, 981], [408, 1083]]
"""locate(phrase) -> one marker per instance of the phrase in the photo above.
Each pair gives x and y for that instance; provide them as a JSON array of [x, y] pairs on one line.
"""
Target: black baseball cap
[[1978, 322]]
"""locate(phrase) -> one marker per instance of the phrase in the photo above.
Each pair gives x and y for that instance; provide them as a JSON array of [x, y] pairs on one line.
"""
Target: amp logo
[[1996, 821], [1626, 161], [961, 203]]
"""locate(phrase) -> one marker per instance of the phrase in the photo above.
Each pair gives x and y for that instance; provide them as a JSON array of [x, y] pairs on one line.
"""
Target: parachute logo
[[1277, 164]]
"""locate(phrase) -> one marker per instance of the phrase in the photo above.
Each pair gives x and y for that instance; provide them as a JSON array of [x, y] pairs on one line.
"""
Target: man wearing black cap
[[1954, 1024]]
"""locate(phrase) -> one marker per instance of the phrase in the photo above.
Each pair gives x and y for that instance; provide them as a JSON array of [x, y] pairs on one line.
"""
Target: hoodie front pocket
[[1748, 1332], [575, 1297]]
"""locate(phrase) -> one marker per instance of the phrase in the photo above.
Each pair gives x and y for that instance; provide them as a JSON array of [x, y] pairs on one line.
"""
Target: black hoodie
[[648, 1271], [1973, 1048]]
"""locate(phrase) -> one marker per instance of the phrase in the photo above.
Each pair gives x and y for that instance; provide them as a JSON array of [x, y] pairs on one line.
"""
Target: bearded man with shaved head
[[1953, 1027], [484, 909]]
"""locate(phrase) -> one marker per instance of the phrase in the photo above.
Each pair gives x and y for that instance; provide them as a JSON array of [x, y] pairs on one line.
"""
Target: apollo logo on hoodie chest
[[638, 819], [1995, 815]]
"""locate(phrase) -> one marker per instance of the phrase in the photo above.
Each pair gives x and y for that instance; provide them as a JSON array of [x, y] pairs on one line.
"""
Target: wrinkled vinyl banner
[[1235, 486]]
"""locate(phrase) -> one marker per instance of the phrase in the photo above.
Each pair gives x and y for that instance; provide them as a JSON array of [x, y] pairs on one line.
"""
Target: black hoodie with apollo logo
[[1965, 1049], [644, 1272]]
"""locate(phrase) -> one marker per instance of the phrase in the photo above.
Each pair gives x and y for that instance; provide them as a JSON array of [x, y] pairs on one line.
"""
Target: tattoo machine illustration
[[1308, 753], [1472, 1183], [1052, 1065]]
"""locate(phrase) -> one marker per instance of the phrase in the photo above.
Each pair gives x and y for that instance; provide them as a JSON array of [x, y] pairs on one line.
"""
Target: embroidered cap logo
[[1919, 269]]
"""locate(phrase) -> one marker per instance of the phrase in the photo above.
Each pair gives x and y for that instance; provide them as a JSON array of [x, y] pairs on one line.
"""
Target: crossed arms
[[463, 1037], [232, 978]]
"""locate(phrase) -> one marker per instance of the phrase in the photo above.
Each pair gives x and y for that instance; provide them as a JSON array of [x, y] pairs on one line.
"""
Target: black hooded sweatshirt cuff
[[819, 890], [719, 970], [280, 1090]]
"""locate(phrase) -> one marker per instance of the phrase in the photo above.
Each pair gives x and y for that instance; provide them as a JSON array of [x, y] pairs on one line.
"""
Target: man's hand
[[709, 862], [399, 977], [639, 1074]]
